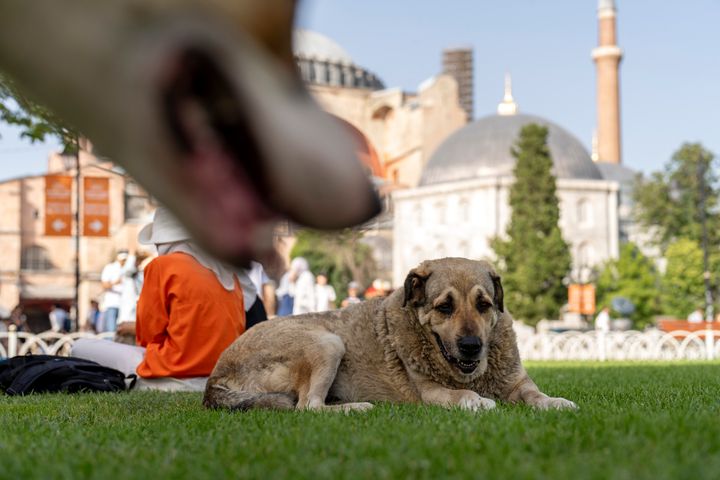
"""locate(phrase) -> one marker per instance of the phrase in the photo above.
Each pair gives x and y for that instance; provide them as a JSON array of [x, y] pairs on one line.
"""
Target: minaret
[[508, 105], [607, 58]]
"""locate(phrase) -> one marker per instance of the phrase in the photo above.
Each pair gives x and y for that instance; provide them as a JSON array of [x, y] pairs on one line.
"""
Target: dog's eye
[[482, 305], [445, 308]]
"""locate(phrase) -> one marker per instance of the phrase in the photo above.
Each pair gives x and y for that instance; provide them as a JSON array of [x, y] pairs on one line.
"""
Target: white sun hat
[[163, 229]]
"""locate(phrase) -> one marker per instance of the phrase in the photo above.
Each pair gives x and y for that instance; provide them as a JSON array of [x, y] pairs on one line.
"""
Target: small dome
[[482, 149], [308, 44]]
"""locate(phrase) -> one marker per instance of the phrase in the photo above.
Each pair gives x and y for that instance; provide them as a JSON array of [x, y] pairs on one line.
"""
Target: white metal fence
[[629, 345], [594, 345], [14, 343]]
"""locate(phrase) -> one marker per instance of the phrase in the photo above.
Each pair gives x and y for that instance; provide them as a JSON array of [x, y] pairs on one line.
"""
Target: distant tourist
[[602, 321], [324, 294], [285, 295], [253, 281], [696, 316], [59, 319], [303, 282], [93, 317], [352, 298], [111, 278]]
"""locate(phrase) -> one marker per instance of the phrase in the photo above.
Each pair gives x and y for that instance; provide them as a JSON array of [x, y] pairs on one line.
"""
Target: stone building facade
[[37, 270]]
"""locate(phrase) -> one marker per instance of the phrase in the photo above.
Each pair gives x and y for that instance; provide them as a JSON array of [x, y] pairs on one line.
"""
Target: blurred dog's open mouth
[[465, 366], [213, 134]]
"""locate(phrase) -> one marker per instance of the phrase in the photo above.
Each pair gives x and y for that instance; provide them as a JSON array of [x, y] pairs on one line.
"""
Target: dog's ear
[[498, 294], [415, 288]]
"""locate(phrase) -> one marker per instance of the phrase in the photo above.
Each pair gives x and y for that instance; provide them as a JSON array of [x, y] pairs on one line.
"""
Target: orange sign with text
[[58, 205], [96, 206], [581, 298]]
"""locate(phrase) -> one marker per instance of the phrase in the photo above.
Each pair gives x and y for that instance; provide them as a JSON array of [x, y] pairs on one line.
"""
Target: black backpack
[[50, 373]]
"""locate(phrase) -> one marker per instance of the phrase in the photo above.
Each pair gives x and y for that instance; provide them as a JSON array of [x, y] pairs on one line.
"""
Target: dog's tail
[[221, 396]]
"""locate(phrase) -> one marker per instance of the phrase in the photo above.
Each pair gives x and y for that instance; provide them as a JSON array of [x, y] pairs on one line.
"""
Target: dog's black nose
[[469, 346]]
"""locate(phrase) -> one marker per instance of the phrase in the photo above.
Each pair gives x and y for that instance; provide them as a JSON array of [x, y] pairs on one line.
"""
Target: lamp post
[[74, 162]]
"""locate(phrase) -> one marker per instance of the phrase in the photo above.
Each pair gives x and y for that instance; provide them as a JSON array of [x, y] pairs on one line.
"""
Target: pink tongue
[[226, 202]]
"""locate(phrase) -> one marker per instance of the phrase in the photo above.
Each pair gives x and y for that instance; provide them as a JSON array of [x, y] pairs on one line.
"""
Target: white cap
[[163, 229]]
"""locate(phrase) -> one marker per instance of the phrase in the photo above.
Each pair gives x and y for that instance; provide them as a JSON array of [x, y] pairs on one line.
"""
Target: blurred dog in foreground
[[200, 101], [444, 339]]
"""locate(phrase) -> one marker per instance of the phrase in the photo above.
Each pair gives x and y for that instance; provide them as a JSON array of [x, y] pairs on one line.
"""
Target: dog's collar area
[[464, 366]]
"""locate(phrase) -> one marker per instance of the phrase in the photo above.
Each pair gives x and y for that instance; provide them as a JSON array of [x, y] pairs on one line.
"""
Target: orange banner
[[96, 206], [58, 205], [581, 298]]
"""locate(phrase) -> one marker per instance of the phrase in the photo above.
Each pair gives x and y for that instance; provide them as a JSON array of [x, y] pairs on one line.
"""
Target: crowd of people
[[174, 314]]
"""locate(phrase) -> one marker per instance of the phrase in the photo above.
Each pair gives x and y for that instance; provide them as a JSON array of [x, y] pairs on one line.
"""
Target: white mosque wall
[[461, 218]]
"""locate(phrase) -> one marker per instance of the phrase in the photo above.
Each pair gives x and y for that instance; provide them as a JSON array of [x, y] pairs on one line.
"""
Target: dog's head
[[458, 302]]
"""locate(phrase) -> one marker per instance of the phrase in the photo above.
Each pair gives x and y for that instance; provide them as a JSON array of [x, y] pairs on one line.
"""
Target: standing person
[[190, 310], [303, 286], [352, 298], [286, 295], [93, 317], [253, 281], [131, 286], [696, 316], [324, 294], [111, 278], [602, 321], [59, 319], [18, 318]]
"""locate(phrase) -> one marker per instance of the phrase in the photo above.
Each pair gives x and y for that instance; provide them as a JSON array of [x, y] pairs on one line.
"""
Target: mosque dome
[[322, 61], [309, 44], [482, 149]]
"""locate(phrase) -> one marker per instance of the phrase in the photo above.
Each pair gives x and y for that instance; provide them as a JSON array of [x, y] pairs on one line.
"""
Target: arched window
[[35, 257], [584, 212], [382, 113]]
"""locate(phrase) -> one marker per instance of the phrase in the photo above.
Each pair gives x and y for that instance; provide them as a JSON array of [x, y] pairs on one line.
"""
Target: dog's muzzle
[[465, 365]]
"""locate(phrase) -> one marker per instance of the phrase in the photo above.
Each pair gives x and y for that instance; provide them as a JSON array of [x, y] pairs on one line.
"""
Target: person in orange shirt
[[189, 311]]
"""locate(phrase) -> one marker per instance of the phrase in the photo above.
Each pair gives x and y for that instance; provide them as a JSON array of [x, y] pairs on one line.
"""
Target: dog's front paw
[[557, 403], [469, 400]]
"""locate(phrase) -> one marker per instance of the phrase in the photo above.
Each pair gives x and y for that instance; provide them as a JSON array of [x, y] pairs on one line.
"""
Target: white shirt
[[111, 273], [57, 319], [324, 295], [602, 321], [252, 280], [304, 293], [695, 317]]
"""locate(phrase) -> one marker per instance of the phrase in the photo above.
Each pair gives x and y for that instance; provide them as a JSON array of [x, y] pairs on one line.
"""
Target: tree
[[340, 255], [682, 287], [35, 121], [632, 276], [668, 203], [534, 259]]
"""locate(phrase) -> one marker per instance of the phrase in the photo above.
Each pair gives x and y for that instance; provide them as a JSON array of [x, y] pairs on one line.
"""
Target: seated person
[[189, 311]]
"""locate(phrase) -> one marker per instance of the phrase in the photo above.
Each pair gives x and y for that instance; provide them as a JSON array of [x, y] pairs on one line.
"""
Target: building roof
[[482, 149], [309, 44]]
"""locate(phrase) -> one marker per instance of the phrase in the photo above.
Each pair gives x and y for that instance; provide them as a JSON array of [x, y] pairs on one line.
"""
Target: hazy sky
[[670, 75]]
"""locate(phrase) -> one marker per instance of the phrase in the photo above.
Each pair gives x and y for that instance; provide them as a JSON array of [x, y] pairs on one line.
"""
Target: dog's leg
[[433, 394], [526, 391], [328, 350]]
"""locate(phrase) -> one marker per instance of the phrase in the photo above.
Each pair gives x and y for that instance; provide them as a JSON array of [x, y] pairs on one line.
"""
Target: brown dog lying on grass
[[444, 339]]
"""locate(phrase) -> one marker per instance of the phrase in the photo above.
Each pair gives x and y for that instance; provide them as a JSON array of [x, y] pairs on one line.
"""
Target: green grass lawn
[[635, 421]]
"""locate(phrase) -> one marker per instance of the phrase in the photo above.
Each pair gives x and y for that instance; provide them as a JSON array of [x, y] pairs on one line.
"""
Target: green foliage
[[340, 255], [534, 258], [636, 421], [36, 123], [683, 287], [632, 276], [668, 202]]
